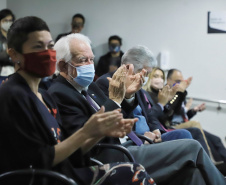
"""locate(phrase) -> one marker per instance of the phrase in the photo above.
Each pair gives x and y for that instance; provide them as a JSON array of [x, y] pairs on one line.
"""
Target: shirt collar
[[78, 87]]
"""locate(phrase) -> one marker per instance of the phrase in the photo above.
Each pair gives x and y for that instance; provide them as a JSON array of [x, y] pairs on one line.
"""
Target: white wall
[[2, 4], [177, 26]]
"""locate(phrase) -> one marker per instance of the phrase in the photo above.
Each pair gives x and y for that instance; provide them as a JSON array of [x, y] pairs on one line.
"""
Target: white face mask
[[6, 25], [157, 83], [145, 80]]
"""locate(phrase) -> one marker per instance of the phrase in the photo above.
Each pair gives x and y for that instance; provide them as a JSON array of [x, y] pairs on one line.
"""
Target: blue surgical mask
[[85, 75], [114, 48]]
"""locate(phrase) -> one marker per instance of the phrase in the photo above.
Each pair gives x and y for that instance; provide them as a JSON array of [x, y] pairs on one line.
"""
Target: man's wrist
[[128, 96], [161, 105], [118, 101]]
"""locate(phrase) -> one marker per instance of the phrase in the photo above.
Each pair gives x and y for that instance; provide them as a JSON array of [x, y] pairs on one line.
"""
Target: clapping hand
[[183, 85], [180, 87], [117, 87], [109, 124], [134, 82], [164, 95], [200, 107]]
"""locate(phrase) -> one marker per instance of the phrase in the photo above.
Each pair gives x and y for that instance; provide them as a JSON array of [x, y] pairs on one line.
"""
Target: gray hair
[[62, 46], [140, 56]]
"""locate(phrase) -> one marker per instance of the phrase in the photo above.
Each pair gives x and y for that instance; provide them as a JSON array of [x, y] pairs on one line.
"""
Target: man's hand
[[109, 124], [200, 107], [117, 87], [164, 95], [184, 84], [158, 138], [134, 82], [180, 87], [149, 135], [127, 125]]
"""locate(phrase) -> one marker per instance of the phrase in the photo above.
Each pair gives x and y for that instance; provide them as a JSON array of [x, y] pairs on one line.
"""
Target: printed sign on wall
[[216, 22]]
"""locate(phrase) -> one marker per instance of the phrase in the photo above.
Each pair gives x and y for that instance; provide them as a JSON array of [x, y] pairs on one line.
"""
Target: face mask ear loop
[[18, 62], [73, 67]]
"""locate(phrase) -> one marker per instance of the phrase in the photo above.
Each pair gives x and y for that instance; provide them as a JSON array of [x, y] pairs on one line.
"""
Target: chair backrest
[[33, 175]]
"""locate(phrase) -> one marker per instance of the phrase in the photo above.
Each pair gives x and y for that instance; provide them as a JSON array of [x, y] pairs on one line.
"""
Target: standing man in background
[[77, 24], [112, 60]]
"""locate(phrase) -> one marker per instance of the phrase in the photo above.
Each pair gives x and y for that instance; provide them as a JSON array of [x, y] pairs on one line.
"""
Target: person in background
[[30, 126], [155, 84], [211, 143], [147, 112], [184, 113], [77, 24], [6, 65], [112, 60], [78, 97], [174, 77]]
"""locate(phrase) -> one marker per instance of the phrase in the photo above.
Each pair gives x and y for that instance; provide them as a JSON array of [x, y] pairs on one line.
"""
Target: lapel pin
[[94, 95]]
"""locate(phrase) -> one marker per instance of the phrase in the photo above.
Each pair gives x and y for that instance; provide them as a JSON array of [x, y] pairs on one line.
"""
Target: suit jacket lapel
[[149, 98], [142, 103], [73, 92], [94, 92]]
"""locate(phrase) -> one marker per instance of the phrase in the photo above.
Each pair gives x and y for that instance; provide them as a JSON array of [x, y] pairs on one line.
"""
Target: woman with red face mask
[[30, 126]]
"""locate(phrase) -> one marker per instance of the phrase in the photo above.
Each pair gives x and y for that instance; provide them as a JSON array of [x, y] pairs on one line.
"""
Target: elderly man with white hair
[[78, 98]]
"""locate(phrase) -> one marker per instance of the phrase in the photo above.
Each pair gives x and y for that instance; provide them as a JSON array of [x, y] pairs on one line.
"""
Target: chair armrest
[[32, 173], [145, 138], [95, 161], [117, 147]]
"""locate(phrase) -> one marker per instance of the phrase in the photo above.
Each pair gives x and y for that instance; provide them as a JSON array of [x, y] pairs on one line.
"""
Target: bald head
[[174, 76]]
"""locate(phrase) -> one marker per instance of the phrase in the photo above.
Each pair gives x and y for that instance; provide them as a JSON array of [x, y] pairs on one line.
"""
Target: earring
[[18, 62]]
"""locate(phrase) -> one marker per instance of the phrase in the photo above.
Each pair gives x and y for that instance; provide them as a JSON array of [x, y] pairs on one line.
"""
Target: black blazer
[[74, 108], [174, 106], [25, 135], [104, 63]]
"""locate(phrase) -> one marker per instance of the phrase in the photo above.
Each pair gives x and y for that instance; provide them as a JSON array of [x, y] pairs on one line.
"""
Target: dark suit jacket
[[74, 108], [62, 35], [104, 63], [26, 134], [174, 106], [151, 115]]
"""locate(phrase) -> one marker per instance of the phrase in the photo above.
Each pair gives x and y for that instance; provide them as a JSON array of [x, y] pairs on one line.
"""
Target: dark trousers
[[197, 135], [181, 162], [176, 134], [216, 146]]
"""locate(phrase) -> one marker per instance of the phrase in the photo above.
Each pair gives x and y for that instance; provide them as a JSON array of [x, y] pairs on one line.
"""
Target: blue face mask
[[114, 48], [85, 74]]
